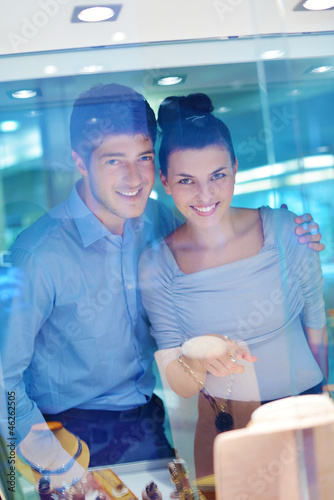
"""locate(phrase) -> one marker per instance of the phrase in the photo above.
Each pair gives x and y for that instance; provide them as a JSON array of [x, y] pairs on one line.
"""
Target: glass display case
[[271, 85]]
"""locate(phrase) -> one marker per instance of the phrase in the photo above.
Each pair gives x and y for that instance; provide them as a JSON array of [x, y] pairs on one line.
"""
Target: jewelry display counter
[[134, 475]]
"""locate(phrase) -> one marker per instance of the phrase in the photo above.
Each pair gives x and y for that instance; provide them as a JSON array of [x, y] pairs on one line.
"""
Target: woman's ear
[[80, 164], [235, 166], [164, 182]]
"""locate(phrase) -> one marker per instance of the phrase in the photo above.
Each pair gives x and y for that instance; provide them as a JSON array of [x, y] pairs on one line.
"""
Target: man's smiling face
[[118, 179]]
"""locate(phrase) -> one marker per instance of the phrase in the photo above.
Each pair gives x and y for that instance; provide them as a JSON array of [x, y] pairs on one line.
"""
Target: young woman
[[233, 280]]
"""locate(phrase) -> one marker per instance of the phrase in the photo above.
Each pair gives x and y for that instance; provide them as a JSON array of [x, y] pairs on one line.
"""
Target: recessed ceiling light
[[272, 54], [92, 68], [33, 113], [169, 80], [223, 109], [322, 69], [294, 92], [50, 69], [119, 36], [317, 4], [154, 194], [95, 14], [9, 126], [24, 93]]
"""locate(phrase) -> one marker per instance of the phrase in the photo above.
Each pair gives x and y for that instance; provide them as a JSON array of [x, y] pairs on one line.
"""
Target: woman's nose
[[205, 191]]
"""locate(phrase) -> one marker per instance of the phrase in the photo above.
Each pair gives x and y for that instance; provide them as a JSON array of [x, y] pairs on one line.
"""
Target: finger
[[242, 353], [307, 227], [247, 356], [221, 368], [219, 371], [318, 247], [303, 218], [309, 238]]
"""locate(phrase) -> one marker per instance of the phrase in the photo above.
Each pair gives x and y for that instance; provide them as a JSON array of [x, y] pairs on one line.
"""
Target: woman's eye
[[185, 181], [218, 176]]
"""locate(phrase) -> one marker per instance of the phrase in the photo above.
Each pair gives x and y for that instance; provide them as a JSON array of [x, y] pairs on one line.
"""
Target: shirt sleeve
[[155, 283], [304, 264], [26, 302]]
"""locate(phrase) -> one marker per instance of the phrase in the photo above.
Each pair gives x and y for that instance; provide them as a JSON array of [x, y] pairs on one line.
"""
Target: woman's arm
[[318, 342]]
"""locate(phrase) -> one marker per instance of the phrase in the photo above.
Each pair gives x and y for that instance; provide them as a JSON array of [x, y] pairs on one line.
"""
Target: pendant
[[224, 421]]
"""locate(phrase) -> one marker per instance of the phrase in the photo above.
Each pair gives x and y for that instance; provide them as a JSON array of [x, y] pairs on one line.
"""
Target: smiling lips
[[130, 194], [205, 211]]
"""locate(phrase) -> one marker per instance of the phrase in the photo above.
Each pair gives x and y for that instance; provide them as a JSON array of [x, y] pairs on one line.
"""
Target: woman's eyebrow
[[218, 170]]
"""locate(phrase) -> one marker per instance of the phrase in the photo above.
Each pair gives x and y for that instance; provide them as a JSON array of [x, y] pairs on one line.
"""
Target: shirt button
[[129, 286]]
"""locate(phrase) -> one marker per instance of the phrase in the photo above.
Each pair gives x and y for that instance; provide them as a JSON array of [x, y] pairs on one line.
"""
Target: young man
[[75, 343]]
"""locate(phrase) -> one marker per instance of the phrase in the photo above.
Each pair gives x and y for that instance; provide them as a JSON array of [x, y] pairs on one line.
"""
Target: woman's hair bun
[[175, 108], [199, 102]]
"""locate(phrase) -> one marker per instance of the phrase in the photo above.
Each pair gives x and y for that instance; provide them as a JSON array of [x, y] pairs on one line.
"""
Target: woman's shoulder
[[246, 219], [279, 227], [156, 262]]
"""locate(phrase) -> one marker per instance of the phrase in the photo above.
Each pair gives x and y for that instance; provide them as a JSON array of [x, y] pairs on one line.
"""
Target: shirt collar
[[89, 226]]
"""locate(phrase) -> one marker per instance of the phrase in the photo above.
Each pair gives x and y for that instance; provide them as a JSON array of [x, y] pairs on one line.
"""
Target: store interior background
[[280, 113]]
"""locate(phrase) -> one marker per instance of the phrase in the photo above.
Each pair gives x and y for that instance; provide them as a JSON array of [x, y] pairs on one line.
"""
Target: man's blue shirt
[[74, 333]]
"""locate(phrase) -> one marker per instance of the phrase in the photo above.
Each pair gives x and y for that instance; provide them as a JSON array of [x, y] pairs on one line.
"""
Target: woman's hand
[[217, 354]]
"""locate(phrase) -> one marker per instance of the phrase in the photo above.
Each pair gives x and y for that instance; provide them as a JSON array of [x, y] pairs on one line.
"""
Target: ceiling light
[[9, 126], [321, 69], [95, 14], [25, 93], [295, 92], [50, 69], [169, 80], [92, 68], [223, 109], [318, 4], [119, 36], [154, 194], [272, 54], [33, 113]]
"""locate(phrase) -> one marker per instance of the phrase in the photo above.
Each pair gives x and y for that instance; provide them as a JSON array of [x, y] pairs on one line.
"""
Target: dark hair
[[186, 122], [106, 110]]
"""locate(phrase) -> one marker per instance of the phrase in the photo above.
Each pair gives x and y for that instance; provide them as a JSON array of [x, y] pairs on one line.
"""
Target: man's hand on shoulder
[[307, 231]]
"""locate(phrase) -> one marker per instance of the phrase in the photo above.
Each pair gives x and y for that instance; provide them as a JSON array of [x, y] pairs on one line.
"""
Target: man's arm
[[26, 302]]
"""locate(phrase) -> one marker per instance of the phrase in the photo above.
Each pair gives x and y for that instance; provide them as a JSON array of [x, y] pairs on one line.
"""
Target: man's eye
[[218, 176], [186, 181], [112, 162], [146, 158]]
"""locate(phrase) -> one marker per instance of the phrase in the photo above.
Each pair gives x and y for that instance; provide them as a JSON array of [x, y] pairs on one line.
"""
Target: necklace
[[224, 420], [48, 472]]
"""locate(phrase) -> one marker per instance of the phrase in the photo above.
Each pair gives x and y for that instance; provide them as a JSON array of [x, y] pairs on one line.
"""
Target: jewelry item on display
[[113, 485], [176, 479], [179, 476], [51, 472], [119, 491], [151, 492], [223, 421]]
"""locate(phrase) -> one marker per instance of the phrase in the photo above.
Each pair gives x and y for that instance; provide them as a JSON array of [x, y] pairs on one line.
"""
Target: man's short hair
[[111, 109]]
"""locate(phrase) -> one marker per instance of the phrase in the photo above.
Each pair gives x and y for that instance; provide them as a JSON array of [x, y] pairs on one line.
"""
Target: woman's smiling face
[[201, 182]]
